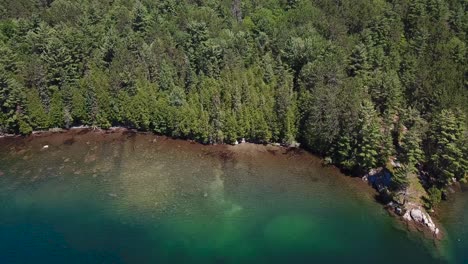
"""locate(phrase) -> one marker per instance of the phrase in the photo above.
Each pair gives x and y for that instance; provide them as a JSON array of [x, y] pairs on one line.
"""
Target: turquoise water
[[455, 219], [126, 198]]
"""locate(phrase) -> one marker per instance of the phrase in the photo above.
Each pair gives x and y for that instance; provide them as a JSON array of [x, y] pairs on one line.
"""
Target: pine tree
[[36, 112], [230, 128], [411, 148], [23, 125], [358, 61], [369, 137], [56, 112], [386, 91], [141, 18], [400, 177], [410, 139], [78, 106], [12, 101], [344, 152], [285, 104], [270, 71], [447, 159]]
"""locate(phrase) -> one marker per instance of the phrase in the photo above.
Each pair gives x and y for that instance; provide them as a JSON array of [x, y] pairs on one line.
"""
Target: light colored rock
[[45, 147], [398, 211], [424, 219], [78, 127], [295, 144], [407, 216], [417, 215], [395, 163]]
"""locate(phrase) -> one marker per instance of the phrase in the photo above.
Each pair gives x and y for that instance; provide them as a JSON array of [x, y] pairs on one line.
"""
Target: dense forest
[[360, 82]]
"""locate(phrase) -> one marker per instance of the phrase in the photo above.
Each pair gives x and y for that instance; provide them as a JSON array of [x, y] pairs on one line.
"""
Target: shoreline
[[409, 224], [133, 170], [133, 130]]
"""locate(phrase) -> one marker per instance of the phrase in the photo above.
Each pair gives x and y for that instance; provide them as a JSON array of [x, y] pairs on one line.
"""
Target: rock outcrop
[[407, 205], [419, 216]]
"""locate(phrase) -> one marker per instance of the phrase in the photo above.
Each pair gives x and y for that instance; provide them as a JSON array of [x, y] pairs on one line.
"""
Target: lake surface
[[137, 198]]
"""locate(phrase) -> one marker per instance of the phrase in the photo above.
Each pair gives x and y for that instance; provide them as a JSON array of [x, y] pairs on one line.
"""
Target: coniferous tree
[[447, 159], [412, 131], [355, 81], [56, 112], [369, 137], [400, 179], [36, 112]]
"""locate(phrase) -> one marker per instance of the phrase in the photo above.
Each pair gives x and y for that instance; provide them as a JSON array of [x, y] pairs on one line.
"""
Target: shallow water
[[134, 198], [454, 216]]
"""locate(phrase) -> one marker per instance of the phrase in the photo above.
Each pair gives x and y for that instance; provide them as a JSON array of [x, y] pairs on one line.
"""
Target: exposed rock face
[[411, 211], [419, 216]]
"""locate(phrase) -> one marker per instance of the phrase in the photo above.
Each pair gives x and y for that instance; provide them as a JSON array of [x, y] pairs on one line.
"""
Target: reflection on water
[[136, 198]]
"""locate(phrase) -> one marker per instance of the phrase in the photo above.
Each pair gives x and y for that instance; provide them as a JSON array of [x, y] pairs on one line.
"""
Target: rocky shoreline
[[419, 216], [413, 214]]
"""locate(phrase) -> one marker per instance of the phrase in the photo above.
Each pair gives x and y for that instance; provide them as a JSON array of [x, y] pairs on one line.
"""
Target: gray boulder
[[417, 215]]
